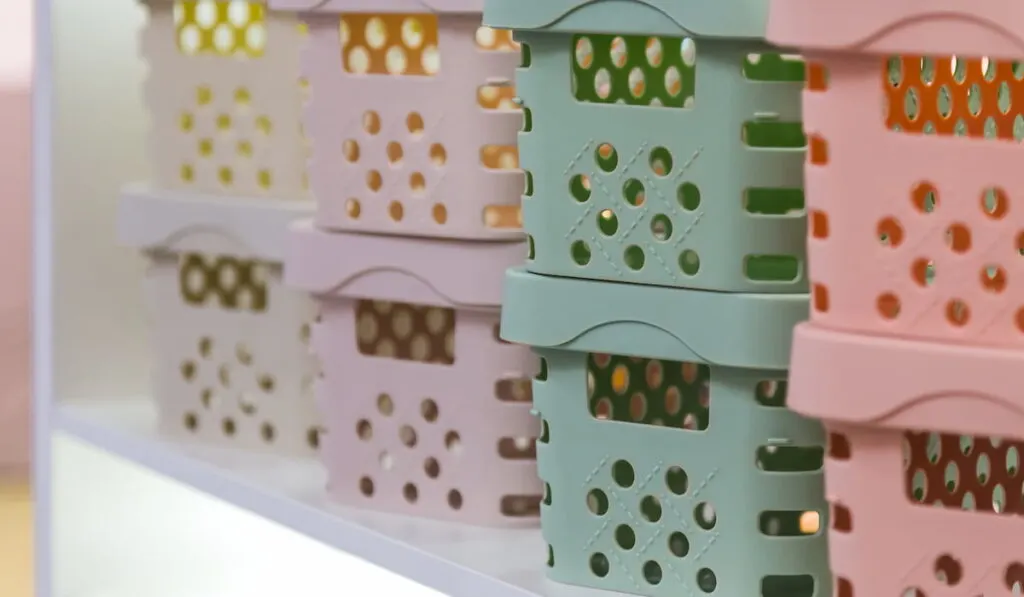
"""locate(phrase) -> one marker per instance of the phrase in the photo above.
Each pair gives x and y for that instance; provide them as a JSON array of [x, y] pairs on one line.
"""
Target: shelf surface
[[168, 540], [456, 560]]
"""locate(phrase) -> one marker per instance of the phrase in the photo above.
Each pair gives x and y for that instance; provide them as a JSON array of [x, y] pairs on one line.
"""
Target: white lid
[[178, 222]]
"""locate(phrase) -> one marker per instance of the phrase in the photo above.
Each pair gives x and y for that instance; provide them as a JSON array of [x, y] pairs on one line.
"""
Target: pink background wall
[[15, 227]]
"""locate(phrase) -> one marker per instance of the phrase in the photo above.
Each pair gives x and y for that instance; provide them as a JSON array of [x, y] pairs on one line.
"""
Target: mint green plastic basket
[[671, 466], [655, 153]]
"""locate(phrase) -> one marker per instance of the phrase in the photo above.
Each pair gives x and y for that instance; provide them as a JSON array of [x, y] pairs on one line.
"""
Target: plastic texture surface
[[665, 475], [231, 363], [614, 193], [413, 125], [739, 19], [729, 330], [953, 490], [380, 6], [954, 499], [937, 244], [224, 95], [945, 27], [942, 387], [428, 410]]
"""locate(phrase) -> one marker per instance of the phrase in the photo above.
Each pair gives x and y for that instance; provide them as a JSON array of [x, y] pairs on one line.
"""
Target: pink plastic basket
[[924, 465], [411, 118], [427, 410], [914, 227]]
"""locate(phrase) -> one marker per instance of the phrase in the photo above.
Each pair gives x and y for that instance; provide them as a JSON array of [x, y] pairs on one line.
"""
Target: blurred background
[[15, 110], [15, 205], [114, 529]]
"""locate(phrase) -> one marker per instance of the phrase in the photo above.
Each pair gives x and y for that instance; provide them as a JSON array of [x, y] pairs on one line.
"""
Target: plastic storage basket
[[655, 151], [427, 411], [232, 362], [922, 192], [924, 470], [225, 98], [412, 119], [670, 464]]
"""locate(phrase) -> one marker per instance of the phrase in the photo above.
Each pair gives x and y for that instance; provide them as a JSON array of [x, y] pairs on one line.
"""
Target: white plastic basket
[[224, 95], [231, 358]]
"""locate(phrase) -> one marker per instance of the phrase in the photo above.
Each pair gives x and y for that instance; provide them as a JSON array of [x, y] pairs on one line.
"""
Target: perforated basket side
[[662, 477], [413, 125], [232, 365], [612, 195], [224, 95], [955, 499], [934, 227], [429, 412]]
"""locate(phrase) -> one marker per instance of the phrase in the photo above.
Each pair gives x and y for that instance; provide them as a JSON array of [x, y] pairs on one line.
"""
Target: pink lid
[[896, 383], [940, 27], [380, 6], [425, 271]]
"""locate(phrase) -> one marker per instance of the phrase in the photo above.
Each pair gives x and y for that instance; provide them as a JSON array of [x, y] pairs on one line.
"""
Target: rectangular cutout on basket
[[778, 68], [390, 44], [227, 28], [973, 473], [226, 281], [649, 391], [403, 44], [767, 132], [497, 96], [770, 268], [768, 201], [785, 523], [633, 69], [801, 585], [406, 332], [517, 389], [954, 96]]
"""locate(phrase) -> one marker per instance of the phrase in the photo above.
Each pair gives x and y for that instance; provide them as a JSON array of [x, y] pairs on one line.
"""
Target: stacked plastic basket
[[665, 272], [414, 172], [913, 351], [231, 362]]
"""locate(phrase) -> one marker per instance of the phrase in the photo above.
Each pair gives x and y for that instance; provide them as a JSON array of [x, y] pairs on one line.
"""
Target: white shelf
[[168, 540], [456, 560]]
